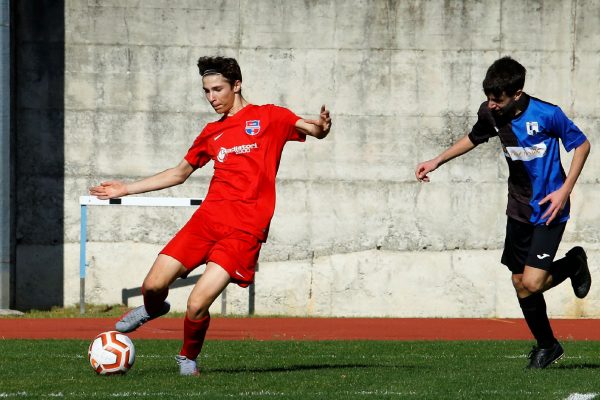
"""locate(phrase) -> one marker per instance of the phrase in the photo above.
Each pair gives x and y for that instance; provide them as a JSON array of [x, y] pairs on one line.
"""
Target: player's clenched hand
[[109, 190], [424, 168], [558, 199]]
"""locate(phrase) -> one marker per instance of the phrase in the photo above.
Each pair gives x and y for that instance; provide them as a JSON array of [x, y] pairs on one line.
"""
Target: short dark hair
[[228, 67], [504, 76]]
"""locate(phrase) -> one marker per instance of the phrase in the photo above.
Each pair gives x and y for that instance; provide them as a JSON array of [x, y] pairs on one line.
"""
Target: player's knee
[[153, 286], [517, 281], [532, 285], [197, 308]]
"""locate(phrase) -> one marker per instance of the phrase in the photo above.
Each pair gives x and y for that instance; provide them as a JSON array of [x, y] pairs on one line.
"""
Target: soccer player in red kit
[[228, 229]]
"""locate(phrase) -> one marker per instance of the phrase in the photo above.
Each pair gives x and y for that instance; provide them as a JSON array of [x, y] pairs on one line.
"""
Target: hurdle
[[86, 201]]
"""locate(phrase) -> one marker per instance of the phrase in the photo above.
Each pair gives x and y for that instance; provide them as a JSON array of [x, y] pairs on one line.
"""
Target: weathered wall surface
[[354, 233]]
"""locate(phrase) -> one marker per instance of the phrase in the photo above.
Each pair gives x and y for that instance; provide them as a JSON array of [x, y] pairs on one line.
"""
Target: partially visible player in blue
[[530, 131]]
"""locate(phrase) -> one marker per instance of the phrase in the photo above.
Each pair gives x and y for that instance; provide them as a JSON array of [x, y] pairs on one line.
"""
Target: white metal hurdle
[[85, 201]]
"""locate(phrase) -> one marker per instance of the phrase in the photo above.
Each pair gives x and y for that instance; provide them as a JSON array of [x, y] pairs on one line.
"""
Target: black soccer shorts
[[533, 245]]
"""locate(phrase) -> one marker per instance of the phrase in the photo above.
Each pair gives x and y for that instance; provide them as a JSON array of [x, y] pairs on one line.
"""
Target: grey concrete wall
[[353, 233]]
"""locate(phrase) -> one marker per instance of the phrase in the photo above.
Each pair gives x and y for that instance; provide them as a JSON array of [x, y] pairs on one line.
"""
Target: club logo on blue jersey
[[252, 127], [532, 128]]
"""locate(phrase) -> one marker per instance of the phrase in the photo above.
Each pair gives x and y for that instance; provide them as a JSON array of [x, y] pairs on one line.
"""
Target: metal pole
[[251, 294], [82, 258], [224, 302], [251, 300]]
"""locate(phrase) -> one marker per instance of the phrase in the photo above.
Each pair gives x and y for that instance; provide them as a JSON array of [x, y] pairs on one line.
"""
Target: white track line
[[582, 396]]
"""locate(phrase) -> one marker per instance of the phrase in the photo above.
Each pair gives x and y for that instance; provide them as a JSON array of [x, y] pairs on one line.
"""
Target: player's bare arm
[[459, 148], [170, 177], [559, 198], [318, 128]]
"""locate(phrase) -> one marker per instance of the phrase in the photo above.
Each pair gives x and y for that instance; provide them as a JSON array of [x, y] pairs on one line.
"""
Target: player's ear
[[518, 94], [237, 86]]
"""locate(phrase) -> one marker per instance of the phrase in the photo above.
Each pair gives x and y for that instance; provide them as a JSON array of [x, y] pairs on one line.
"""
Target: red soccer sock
[[194, 332], [153, 302]]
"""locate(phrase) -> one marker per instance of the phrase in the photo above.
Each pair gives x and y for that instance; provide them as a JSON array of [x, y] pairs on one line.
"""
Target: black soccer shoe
[[581, 280], [541, 358]]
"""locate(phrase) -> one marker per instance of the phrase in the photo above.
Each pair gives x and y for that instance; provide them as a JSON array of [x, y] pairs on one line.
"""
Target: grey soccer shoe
[[187, 367], [581, 279], [541, 358], [137, 317]]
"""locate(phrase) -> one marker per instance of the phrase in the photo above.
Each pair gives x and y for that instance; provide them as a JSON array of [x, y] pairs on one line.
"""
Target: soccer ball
[[111, 353]]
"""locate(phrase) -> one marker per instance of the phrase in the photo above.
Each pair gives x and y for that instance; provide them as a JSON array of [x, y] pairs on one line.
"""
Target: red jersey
[[246, 150]]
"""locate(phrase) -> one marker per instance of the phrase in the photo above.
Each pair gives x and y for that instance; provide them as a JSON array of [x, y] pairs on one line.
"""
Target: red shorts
[[203, 240]]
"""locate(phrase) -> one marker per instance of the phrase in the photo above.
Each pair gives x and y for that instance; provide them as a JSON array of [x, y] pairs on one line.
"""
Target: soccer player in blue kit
[[530, 131]]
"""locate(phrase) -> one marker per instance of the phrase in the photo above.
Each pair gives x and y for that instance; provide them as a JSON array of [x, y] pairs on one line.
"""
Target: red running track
[[305, 329]]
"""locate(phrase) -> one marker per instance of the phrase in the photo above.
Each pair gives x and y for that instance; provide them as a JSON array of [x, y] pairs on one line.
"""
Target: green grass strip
[[34, 369]]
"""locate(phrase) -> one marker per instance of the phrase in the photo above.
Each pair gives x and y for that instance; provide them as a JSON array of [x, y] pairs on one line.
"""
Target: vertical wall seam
[[240, 27], [573, 55], [500, 34]]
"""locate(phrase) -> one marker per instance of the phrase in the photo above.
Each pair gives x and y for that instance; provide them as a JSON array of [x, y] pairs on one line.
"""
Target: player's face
[[503, 104], [219, 92]]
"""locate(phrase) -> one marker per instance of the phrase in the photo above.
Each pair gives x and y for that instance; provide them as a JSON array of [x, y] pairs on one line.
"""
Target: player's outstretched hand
[[424, 168], [109, 190], [324, 121]]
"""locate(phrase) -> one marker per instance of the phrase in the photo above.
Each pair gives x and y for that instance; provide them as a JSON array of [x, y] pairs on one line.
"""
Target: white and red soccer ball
[[111, 353]]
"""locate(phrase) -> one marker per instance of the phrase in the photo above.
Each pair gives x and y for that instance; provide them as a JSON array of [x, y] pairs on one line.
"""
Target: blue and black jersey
[[530, 142]]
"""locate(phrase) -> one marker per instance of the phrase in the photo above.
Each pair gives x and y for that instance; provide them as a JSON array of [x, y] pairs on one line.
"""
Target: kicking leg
[[155, 289]]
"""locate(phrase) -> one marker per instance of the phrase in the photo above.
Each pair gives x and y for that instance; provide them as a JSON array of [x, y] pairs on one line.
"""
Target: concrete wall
[[354, 234]]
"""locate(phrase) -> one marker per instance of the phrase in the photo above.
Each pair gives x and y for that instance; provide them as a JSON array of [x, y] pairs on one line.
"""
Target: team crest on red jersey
[[252, 127]]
